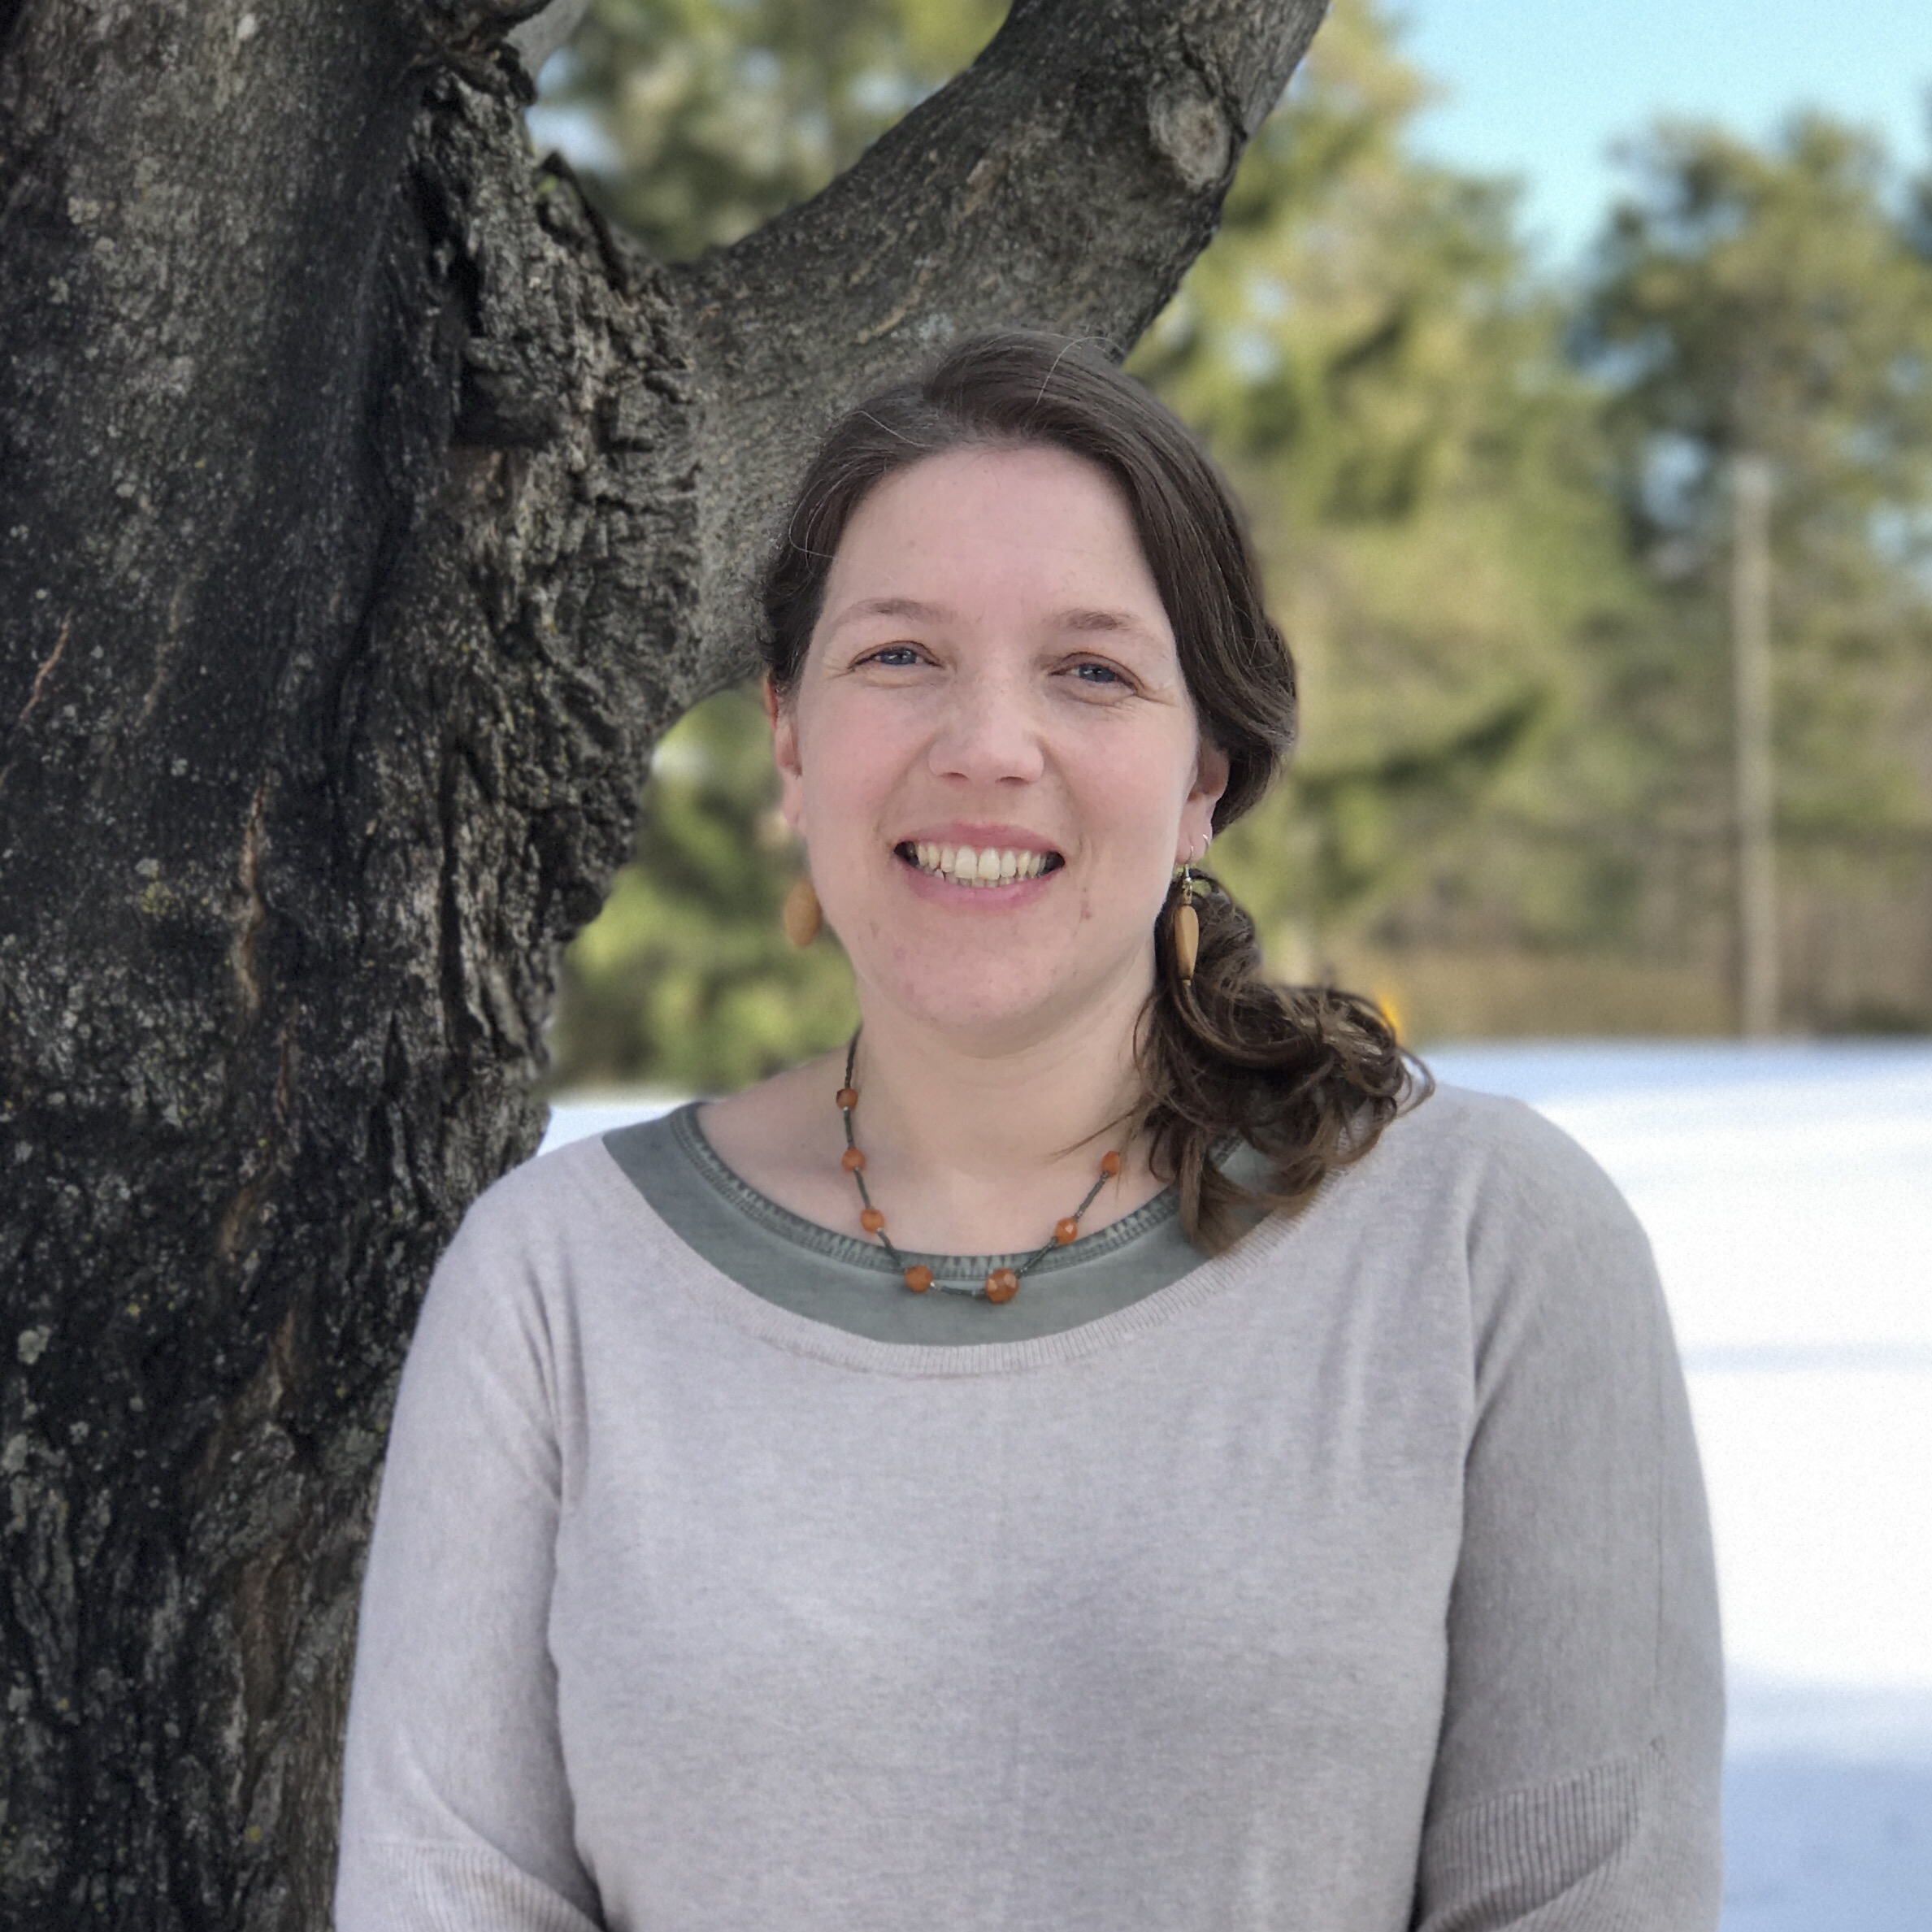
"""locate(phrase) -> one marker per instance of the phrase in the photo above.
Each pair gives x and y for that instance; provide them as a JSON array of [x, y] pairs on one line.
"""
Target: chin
[[969, 993]]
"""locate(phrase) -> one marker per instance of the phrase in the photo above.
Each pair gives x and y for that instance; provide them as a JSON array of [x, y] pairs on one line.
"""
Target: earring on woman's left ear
[[1186, 930]]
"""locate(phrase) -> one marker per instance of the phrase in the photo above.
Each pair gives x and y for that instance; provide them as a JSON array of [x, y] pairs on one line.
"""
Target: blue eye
[[894, 657], [1098, 674]]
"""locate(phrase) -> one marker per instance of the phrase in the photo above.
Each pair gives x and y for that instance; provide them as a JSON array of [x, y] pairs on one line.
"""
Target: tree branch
[[1065, 180]]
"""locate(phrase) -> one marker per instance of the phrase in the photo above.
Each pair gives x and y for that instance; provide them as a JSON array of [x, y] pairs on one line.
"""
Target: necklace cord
[[1110, 1167]]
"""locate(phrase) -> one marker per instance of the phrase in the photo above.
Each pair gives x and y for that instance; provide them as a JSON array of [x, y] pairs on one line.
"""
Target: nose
[[989, 731]]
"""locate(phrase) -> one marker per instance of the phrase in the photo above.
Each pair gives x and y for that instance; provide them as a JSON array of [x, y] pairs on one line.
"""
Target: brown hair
[[1308, 1075]]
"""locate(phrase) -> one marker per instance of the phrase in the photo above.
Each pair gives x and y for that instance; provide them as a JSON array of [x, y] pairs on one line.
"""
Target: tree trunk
[[366, 511]]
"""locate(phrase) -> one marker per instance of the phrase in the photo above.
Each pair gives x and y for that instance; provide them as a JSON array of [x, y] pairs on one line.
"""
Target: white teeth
[[965, 865]]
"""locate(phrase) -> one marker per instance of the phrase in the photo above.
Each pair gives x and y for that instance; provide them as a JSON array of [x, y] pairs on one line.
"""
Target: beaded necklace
[[1001, 1284]]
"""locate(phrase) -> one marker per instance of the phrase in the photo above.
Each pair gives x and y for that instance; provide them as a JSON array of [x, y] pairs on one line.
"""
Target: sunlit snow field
[[1787, 1191]]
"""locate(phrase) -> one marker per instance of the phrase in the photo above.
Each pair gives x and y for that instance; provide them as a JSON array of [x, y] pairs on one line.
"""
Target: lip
[[961, 831], [1013, 896]]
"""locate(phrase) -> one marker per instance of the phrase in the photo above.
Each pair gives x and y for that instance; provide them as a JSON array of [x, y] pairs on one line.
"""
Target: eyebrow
[[886, 607], [1100, 620], [1081, 620]]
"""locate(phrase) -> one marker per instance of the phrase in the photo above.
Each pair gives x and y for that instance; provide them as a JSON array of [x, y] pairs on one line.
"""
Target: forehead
[[1030, 518]]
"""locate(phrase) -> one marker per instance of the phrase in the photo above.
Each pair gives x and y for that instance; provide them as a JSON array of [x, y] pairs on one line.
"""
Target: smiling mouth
[[963, 864]]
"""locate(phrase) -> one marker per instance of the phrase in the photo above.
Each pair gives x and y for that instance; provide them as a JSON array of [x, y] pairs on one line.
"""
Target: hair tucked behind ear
[[1308, 1075]]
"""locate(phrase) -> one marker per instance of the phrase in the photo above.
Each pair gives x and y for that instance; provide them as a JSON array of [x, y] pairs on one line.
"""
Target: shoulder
[[1546, 1244], [551, 1192], [1463, 1116], [547, 1222], [1523, 1212], [1489, 1151]]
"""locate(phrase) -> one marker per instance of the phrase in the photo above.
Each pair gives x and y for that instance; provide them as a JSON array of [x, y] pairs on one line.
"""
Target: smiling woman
[[1020, 579], [1116, 1448]]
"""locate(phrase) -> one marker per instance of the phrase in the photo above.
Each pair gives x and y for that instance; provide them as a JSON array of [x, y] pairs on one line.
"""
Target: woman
[[1107, 1451]]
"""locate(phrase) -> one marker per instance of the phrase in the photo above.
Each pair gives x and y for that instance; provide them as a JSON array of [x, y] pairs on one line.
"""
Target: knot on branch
[[1190, 130]]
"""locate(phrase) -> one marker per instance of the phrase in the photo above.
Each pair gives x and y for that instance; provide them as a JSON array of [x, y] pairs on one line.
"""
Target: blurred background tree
[[704, 118], [1490, 503], [685, 980], [1367, 350], [1767, 310]]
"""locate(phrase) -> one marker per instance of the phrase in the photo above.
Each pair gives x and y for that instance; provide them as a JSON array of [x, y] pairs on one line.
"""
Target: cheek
[[849, 768], [1137, 794]]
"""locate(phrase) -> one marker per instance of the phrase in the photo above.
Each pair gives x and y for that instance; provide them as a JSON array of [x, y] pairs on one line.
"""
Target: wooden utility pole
[[1757, 862]]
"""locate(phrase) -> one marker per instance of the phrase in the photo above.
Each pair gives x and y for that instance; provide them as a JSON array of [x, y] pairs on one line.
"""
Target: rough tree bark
[[366, 511]]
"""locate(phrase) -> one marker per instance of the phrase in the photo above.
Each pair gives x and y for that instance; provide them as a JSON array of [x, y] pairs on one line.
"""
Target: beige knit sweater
[[1358, 1580]]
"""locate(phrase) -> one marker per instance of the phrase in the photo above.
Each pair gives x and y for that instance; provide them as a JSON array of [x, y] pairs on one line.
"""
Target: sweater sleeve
[[1577, 1776], [457, 1813]]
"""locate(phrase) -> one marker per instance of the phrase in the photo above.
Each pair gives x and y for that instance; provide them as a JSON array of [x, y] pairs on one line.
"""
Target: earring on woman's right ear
[[801, 915]]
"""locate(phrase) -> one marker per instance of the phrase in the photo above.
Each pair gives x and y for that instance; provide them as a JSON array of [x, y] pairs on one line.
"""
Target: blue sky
[[1540, 89]]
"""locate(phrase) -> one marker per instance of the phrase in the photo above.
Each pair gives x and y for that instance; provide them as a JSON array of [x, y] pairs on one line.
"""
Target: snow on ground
[[1787, 1191]]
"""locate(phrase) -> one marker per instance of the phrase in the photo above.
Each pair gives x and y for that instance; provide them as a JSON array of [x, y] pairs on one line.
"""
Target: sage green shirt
[[854, 1284]]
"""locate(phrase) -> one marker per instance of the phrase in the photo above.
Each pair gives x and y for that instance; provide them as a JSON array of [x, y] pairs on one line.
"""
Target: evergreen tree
[[684, 981], [710, 116], [1367, 349], [1770, 302]]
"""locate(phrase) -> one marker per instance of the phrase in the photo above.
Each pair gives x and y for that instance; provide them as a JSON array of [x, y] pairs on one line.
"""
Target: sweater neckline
[[733, 1303], [768, 1213]]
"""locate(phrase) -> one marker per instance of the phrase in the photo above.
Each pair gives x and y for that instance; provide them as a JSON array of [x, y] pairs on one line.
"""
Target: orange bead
[[848, 1099], [1002, 1285], [1065, 1230], [918, 1280], [1110, 1163], [872, 1221], [852, 1159]]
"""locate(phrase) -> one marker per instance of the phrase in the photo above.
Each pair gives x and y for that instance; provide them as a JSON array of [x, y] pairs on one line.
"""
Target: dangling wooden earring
[[1186, 931], [801, 916]]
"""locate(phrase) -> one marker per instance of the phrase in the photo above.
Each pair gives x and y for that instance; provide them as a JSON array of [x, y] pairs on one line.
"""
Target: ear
[[1198, 815], [783, 718]]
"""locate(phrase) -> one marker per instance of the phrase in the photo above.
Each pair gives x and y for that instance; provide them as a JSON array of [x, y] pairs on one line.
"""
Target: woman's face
[[990, 751]]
